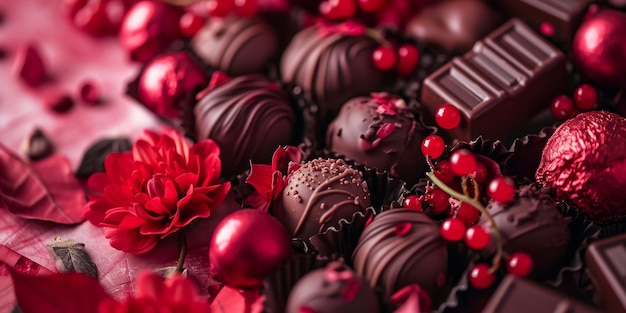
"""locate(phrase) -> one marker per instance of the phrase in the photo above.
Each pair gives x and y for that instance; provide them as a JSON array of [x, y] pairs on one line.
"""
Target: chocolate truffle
[[332, 65], [248, 117], [334, 289], [167, 80], [531, 224], [236, 45], [453, 25], [319, 194], [402, 247], [380, 132], [585, 162]]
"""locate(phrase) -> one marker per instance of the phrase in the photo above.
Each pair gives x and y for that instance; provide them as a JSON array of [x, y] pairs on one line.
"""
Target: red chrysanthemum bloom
[[156, 294], [155, 190]]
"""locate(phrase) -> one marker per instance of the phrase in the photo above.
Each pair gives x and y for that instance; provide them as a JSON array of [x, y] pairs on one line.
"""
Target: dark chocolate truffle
[[319, 194], [453, 25], [402, 247], [334, 289], [531, 224], [248, 117], [236, 45], [332, 67], [380, 132]]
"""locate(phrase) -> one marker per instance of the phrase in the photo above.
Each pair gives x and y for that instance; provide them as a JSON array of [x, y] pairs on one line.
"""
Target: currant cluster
[[221, 8], [404, 59], [585, 99], [190, 23], [387, 12], [464, 209]]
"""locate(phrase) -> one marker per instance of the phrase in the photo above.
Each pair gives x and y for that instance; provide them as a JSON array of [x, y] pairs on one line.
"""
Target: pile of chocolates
[[395, 155]]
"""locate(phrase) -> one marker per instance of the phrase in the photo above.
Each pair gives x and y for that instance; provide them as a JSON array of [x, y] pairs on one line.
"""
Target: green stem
[[183, 252], [479, 207]]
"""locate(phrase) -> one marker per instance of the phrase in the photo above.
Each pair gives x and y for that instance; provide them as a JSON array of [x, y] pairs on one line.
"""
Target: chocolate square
[[606, 265], [506, 79], [517, 295], [565, 16]]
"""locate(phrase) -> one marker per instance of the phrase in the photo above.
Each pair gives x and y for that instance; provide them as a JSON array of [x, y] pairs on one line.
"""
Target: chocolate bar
[[506, 79], [518, 295], [564, 16], [606, 265]]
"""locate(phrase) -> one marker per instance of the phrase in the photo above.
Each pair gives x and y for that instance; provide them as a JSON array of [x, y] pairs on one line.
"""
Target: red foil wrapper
[[585, 162]]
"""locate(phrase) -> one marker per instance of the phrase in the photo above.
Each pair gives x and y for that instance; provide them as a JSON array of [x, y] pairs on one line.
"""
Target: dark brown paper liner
[[278, 285], [342, 239], [526, 154]]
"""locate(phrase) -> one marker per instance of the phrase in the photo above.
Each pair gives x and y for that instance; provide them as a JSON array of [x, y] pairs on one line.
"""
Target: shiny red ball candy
[[384, 58], [519, 264], [452, 229], [413, 202], [437, 199], [480, 276], [190, 24], [338, 9], [246, 8], [585, 97], [477, 238], [220, 8], [371, 5], [444, 171], [501, 189], [433, 146], [408, 57], [467, 213], [481, 172], [463, 162], [247, 246], [562, 107], [448, 116]]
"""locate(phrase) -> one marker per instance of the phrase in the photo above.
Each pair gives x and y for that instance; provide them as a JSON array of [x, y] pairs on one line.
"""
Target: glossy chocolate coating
[[518, 295], [506, 79], [606, 264], [236, 45], [248, 117], [359, 133], [319, 194], [334, 289], [453, 25], [332, 68], [391, 256], [563, 15], [531, 224]]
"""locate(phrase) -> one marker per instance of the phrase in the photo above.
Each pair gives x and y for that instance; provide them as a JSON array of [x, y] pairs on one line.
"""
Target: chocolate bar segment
[[563, 15], [606, 265], [518, 295], [506, 79]]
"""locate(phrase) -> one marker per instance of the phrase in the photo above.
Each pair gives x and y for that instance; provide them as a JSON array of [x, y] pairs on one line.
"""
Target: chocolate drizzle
[[391, 256], [236, 45], [333, 68], [319, 194], [248, 117]]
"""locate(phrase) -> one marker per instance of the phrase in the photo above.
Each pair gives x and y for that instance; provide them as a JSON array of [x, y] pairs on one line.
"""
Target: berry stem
[[183, 252], [476, 189], [476, 204], [378, 36]]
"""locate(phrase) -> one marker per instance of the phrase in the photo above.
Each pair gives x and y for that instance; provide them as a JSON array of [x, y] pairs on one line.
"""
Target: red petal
[[119, 166], [185, 180], [171, 195], [192, 207], [231, 300], [46, 190], [156, 207], [283, 156], [210, 171], [130, 241], [150, 285], [79, 293], [98, 181], [261, 179], [180, 292], [143, 151], [180, 142]]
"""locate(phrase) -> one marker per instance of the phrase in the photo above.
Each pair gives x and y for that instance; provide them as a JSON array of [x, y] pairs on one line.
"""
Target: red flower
[[159, 188], [156, 294], [269, 181]]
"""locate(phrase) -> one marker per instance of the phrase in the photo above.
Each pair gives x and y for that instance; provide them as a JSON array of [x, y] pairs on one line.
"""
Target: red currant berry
[[481, 172], [190, 24], [520, 264], [338, 9], [219, 8], [444, 171], [438, 199], [480, 276], [501, 189], [408, 57], [413, 202], [463, 162], [477, 238], [384, 58], [563, 107], [433, 146], [585, 97], [246, 7], [448, 116], [371, 5], [467, 213], [452, 229]]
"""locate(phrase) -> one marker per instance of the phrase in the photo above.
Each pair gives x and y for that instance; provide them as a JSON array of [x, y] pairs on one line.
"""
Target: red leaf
[[62, 293], [9, 258], [45, 190]]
